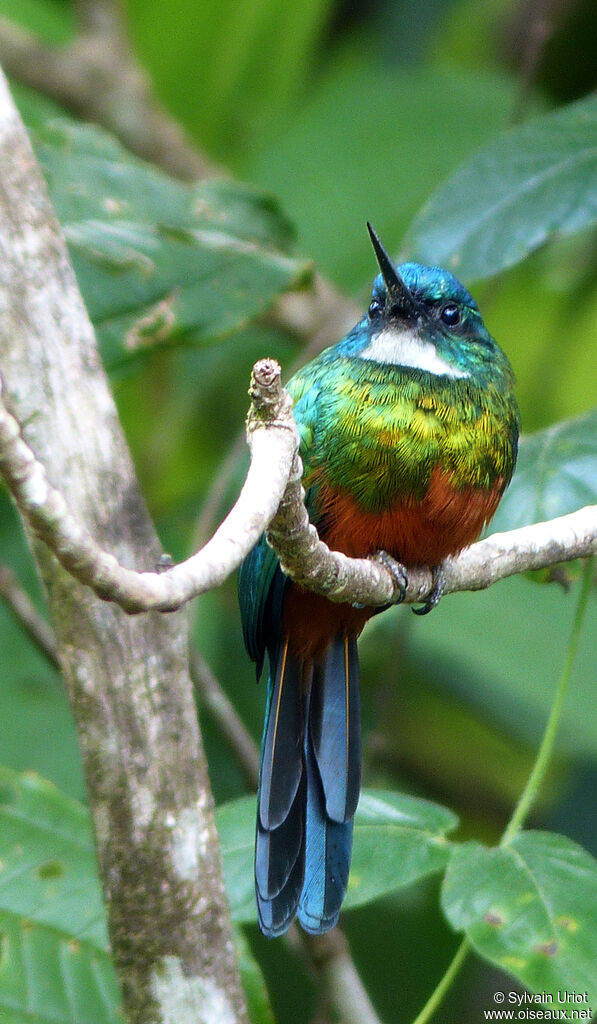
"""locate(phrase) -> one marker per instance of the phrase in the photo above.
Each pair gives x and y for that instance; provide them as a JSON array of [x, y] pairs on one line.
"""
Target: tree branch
[[274, 474], [273, 439], [127, 678], [309, 561]]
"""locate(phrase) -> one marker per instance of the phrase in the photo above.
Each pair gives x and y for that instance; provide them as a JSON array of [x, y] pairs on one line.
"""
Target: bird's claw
[[438, 577], [397, 571]]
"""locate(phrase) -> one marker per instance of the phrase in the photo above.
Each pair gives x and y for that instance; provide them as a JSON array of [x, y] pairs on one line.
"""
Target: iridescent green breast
[[378, 431]]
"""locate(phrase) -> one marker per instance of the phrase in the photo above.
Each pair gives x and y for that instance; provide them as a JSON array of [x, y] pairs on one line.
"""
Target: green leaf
[[397, 840], [154, 258], [54, 959], [534, 182], [556, 473], [531, 909], [235, 821]]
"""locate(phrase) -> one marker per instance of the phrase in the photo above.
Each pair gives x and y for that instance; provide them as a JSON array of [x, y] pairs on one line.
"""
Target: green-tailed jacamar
[[409, 431]]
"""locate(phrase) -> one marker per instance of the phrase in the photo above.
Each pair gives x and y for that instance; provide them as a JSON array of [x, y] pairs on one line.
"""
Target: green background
[[342, 113]]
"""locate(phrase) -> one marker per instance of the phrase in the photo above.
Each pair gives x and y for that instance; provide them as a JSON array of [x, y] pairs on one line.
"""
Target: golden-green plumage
[[383, 428]]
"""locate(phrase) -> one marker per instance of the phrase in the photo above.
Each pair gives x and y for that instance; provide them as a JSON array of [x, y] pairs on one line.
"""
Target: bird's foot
[[164, 563], [438, 577], [398, 573]]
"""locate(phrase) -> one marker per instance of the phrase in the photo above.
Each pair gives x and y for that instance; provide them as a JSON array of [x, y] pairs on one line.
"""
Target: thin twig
[[535, 24], [544, 754], [226, 717], [444, 985], [23, 609], [344, 990]]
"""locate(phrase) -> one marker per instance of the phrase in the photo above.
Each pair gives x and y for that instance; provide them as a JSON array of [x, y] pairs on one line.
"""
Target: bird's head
[[423, 317]]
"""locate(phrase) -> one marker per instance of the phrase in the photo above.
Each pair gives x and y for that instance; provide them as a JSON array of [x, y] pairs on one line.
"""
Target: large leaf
[[155, 258], [556, 473], [531, 909], [397, 840], [55, 965], [532, 183]]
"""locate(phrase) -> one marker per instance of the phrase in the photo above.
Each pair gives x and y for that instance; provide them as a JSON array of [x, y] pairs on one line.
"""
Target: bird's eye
[[375, 308], [450, 314]]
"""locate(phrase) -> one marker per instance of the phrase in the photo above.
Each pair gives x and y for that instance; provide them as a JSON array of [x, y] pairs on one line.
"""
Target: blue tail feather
[[280, 869], [277, 850], [281, 759], [328, 847], [276, 913], [335, 727], [309, 787]]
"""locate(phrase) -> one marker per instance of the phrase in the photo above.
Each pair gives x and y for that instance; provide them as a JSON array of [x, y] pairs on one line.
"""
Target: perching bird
[[409, 432]]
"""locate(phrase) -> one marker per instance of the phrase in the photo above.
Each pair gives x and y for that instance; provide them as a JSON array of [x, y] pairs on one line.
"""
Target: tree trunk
[[127, 677]]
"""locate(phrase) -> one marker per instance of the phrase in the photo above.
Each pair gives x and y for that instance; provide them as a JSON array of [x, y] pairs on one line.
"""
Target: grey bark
[[127, 677]]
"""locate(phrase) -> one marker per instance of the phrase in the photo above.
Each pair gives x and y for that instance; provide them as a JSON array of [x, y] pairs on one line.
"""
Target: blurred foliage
[[556, 471], [52, 20], [336, 113]]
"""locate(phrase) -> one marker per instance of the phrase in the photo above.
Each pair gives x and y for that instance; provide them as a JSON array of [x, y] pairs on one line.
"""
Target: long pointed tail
[[309, 789]]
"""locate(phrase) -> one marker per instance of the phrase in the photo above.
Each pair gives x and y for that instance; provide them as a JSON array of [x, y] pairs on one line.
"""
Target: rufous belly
[[422, 532]]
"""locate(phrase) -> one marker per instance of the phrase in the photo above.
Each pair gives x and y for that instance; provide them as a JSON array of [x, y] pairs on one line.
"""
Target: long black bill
[[398, 293]]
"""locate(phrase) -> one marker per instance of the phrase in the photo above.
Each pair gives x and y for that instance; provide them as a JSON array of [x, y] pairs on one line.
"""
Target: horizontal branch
[[309, 561], [272, 499], [273, 440]]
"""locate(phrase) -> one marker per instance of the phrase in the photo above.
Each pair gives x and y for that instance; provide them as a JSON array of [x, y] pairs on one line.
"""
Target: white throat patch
[[406, 348]]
